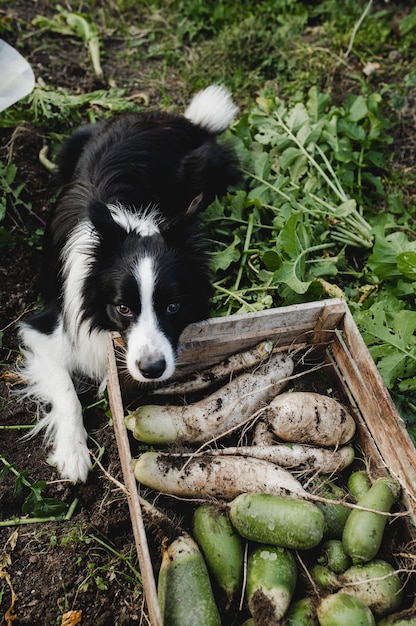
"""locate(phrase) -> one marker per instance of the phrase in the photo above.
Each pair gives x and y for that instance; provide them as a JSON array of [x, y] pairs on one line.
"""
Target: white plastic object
[[16, 76]]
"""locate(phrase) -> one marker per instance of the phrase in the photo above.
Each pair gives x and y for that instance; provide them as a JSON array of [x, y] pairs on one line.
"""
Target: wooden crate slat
[[381, 417], [206, 343], [123, 445]]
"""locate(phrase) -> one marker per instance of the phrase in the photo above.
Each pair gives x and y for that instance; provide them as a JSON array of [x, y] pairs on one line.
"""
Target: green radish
[[205, 475], [277, 520], [271, 580], [302, 613], [324, 577], [333, 555], [215, 415], [184, 588], [307, 417], [363, 530], [341, 609], [221, 547], [358, 484], [375, 583], [335, 514]]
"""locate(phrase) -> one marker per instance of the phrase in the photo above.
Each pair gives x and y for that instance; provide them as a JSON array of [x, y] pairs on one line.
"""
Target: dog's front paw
[[72, 462]]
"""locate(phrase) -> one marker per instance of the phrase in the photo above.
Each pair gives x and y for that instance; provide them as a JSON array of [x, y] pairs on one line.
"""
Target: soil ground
[[83, 564]]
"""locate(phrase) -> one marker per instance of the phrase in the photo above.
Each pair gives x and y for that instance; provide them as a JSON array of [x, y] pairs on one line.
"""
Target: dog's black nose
[[152, 369]]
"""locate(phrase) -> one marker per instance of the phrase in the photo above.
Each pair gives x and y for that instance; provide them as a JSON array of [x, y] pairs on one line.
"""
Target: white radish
[[307, 417], [205, 475], [294, 455], [215, 415], [219, 372]]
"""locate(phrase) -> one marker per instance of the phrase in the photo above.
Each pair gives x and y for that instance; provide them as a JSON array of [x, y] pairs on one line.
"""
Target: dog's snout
[[151, 368]]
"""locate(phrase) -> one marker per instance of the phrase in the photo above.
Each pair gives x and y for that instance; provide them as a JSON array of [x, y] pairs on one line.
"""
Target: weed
[[36, 506]]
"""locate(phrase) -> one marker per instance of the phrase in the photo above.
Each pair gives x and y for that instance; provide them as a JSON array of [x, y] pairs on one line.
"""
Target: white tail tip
[[212, 109]]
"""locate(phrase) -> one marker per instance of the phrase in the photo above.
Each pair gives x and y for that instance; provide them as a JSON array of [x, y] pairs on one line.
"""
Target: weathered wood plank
[[143, 554], [380, 414], [203, 344]]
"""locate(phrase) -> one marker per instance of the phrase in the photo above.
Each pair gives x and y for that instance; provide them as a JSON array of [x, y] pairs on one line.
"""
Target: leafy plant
[[311, 173], [36, 505], [79, 24]]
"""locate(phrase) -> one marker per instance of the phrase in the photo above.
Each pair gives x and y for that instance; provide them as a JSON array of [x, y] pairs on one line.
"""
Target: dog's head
[[148, 279]]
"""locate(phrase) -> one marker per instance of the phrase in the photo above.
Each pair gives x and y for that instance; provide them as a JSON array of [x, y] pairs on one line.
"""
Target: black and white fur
[[123, 251]]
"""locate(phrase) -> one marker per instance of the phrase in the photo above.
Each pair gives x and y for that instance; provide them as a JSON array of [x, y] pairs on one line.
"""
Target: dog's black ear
[[102, 220]]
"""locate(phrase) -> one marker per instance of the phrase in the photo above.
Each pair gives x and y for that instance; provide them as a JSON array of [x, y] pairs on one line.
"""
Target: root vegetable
[[375, 583], [184, 588], [208, 476], [363, 531], [219, 372], [306, 417], [215, 415], [302, 613], [341, 609], [277, 520], [221, 547], [302, 457], [335, 514], [334, 557], [358, 484], [271, 580], [262, 435]]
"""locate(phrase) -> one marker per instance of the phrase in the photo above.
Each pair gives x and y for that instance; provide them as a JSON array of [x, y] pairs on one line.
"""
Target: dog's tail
[[212, 109]]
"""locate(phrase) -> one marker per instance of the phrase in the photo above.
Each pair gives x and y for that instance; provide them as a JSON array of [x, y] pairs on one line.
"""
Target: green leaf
[[288, 274], [392, 345], [387, 248], [406, 264], [352, 130], [271, 260], [317, 103], [358, 108], [222, 259], [408, 23]]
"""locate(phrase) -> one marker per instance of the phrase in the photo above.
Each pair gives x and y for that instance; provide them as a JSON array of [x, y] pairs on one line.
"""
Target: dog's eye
[[124, 310], [173, 308]]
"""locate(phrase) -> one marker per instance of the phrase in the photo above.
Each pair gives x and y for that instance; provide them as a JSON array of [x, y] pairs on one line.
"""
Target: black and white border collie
[[123, 251]]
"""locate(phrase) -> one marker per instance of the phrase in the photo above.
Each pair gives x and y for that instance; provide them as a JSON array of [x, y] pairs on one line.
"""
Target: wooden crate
[[327, 334]]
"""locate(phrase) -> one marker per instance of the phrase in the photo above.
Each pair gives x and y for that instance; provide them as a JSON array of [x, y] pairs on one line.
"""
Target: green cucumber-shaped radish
[[302, 613], [341, 609], [363, 530], [271, 580], [358, 484], [333, 555], [184, 588], [336, 514], [277, 520], [221, 547]]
